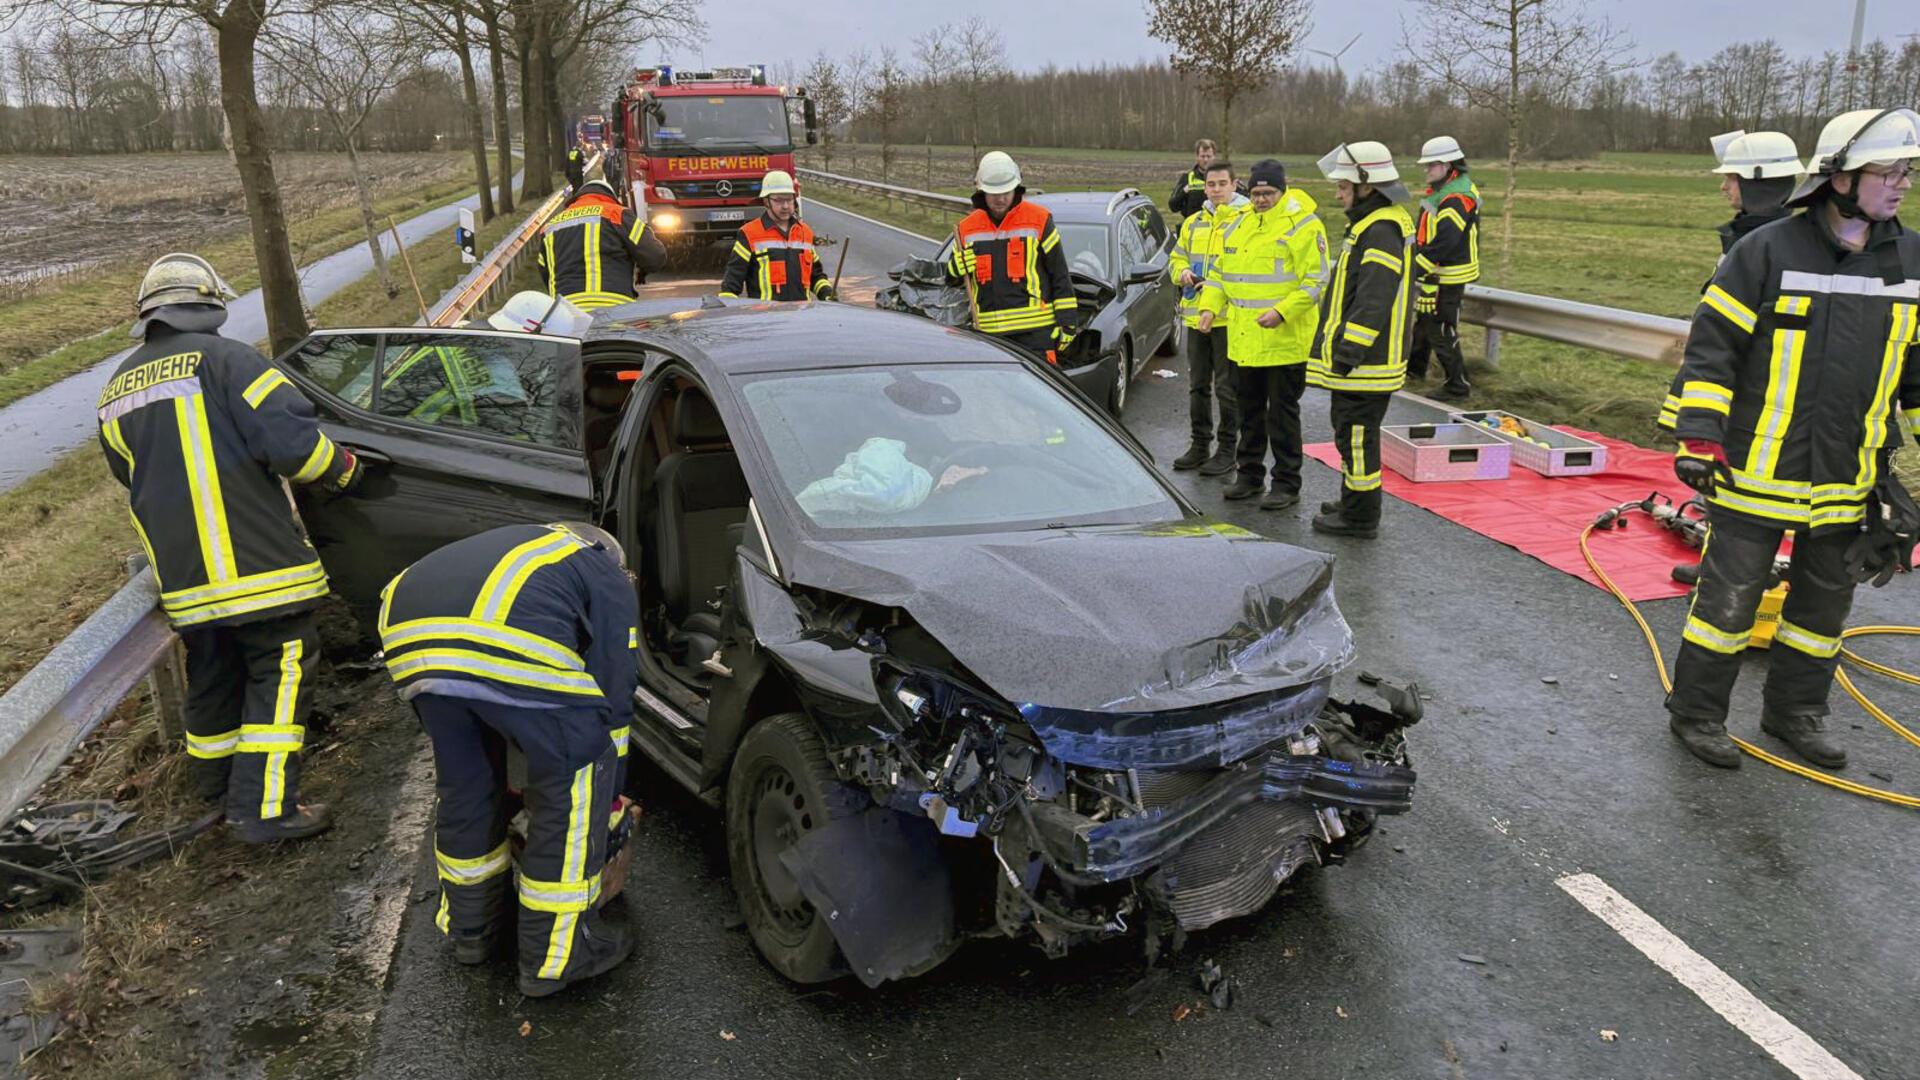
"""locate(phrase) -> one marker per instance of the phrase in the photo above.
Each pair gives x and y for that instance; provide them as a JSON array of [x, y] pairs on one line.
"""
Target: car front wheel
[[781, 788]]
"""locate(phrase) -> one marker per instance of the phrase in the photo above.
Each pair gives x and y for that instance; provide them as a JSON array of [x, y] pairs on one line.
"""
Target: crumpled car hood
[[1124, 619]]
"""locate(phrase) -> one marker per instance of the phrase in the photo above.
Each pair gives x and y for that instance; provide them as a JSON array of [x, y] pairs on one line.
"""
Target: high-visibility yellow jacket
[[1196, 248], [1276, 261], [1364, 329]]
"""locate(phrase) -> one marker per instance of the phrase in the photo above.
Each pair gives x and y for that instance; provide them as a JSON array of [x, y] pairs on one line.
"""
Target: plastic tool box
[[1453, 451], [1546, 450]]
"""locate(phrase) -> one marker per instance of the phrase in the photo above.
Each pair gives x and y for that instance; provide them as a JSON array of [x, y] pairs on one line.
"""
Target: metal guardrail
[[1633, 334], [55, 706]]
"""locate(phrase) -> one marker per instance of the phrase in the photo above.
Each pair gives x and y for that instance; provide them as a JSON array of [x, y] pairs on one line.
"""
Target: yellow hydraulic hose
[[1840, 675]]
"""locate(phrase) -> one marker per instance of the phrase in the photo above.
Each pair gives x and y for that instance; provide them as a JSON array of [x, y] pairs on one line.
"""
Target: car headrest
[[696, 423], [607, 396]]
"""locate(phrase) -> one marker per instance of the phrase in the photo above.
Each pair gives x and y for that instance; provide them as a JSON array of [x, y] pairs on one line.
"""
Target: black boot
[[1809, 737], [608, 944], [1222, 461], [1331, 506], [1687, 573], [1279, 498], [1450, 392], [1243, 488], [299, 823], [1339, 524], [1706, 740], [1195, 454]]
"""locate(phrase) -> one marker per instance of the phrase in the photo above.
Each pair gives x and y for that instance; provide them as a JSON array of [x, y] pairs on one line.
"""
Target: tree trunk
[[559, 139], [476, 126], [1513, 145], [502, 131], [367, 218], [1226, 127], [236, 34], [530, 44]]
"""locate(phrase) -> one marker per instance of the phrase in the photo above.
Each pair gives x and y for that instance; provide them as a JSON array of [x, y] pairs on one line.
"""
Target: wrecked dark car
[[928, 626], [1117, 246]]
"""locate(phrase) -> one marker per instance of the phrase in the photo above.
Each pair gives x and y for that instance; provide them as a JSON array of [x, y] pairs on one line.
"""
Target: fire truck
[[592, 130], [690, 147]]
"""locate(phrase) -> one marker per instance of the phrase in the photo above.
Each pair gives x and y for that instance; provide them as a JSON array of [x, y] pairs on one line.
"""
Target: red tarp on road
[[1542, 516]]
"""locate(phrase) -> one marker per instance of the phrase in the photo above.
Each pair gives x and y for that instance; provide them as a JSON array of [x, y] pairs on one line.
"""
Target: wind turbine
[[1335, 56]]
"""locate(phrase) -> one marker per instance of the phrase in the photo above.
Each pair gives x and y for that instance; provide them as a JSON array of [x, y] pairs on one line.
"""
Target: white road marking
[[1790, 1046]]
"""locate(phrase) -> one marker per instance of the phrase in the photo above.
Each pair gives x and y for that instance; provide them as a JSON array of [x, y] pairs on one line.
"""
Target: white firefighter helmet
[[997, 173], [1441, 148], [597, 186], [532, 312], [1861, 137], [1756, 155], [777, 182], [1360, 162], [182, 278]]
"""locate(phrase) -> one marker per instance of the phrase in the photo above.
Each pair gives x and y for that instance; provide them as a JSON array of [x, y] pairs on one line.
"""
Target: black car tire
[[780, 787], [1122, 379]]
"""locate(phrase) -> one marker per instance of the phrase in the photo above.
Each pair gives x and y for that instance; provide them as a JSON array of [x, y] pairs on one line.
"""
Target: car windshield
[[1086, 249], [686, 124], [933, 449]]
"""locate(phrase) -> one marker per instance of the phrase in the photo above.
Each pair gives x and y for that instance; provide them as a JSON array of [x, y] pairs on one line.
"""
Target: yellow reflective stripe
[[261, 602], [241, 586], [318, 462], [1021, 318], [440, 918], [553, 266], [742, 250], [269, 381], [495, 600], [213, 746], [1805, 640], [280, 738], [1376, 255], [1051, 241], [1696, 394], [1733, 310], [621, 736], [1793, 305], [1774, 509], [203, 486], [1354, 478], [639, 229], [1448, 213], [499, 635], [1797, 490], [1359, 335], [587, 301], [1708, 636], [633, 637], [118, 440], [386, 601], [275, 738], [573, 873], [590, 247], [494, 668], [473, 871], [1783, 382], [1912, 417], [1892, 362], [557, 896]]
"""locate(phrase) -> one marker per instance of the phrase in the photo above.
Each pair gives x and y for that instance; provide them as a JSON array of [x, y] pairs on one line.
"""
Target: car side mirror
[[1144, 274]]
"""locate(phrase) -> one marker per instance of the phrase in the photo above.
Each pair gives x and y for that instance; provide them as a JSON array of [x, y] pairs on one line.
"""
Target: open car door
[[460, 430]]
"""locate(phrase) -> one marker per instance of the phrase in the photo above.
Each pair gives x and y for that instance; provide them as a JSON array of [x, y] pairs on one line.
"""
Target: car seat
[[701, 494]]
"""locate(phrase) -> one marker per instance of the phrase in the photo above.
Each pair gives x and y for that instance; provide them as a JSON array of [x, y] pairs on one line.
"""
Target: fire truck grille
[[742, 188]]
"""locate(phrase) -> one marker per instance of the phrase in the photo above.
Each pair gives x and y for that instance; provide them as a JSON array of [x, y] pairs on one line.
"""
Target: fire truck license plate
[[728, 215]]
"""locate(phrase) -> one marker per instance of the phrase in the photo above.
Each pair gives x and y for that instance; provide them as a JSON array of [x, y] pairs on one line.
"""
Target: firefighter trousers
[[1733, 573], [1210, 378], [1438, 334], [572, 764], [249, 688], [1269, 399], [1356, 421]]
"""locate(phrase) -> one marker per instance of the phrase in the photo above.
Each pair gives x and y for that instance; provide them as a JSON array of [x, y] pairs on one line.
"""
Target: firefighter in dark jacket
[[1758, 172], [576, 167], [596, 251], [1190, 191], [526, 635], [773, 257], [1446, 259], [200, 429], [1008, 254], [1360, 355], [1801, 370]]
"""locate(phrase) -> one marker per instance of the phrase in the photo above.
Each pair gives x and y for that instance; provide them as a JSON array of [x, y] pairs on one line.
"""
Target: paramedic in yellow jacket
[[1268, 282], [1209, 375]]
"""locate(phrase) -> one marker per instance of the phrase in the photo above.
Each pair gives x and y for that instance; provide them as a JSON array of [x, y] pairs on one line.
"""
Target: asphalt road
[[1802, 895]]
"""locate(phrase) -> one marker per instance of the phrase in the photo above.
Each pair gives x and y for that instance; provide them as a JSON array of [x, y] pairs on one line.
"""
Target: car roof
[[1085, 206], [732, 336]]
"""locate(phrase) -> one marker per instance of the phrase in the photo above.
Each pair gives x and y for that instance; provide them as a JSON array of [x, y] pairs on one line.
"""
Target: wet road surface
[[1802, 895]]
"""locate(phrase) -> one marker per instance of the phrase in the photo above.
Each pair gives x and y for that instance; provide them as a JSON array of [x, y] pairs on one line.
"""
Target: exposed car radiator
[[1234, 866]]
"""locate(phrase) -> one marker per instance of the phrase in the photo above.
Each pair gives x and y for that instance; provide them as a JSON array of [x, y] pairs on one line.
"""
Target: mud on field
[[63, 216]]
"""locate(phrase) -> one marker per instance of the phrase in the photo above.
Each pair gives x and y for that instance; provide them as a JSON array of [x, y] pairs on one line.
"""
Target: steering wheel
[[958, 456]]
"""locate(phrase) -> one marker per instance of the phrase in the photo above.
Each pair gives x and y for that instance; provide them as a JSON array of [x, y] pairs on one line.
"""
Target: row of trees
[[338, 72]]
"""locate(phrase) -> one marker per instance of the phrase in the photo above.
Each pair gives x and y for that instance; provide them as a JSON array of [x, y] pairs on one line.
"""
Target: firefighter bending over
[[200, 429], [1008, 254], [596, 251], [773, 257]]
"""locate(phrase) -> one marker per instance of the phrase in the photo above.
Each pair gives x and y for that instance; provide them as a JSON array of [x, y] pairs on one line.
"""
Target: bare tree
[[887, 104], [935, 58], [829, 96], [1229, 47], [347, 60], [1498, 55], [450, 23], [982, 56]]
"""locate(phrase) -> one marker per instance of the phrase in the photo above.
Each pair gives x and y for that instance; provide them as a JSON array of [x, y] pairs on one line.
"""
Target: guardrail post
[[1493, 349], [167, 682]]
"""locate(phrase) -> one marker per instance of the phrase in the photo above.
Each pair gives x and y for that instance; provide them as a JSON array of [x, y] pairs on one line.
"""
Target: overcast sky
[[1089, 32]]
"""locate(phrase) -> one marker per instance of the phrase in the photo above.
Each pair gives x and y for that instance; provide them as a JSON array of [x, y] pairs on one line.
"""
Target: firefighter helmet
[[777, 182], [1756, 155], [532, 312], [1860, 137], [182, 278], [997, 174], [1360, 162], [597, 186], [1441, 148]]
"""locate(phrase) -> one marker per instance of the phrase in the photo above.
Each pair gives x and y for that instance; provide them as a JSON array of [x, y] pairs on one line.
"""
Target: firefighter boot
[[1331, 506], [308, 819], [1222, 461], [1244, 488], [1335, 523], [1809, 737], [1706, 740], [605, 945], [1195, 456]]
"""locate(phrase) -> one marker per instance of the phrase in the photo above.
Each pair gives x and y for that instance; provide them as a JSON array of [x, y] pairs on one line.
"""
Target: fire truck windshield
[[704, 124]]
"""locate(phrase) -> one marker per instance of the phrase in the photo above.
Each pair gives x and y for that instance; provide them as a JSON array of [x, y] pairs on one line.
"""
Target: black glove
[[1699, 465], [1886, 542], [824, 291]]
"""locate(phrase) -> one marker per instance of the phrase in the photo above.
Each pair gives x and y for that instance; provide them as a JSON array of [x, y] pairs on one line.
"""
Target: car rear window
[[945, 449], [507, 385]]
